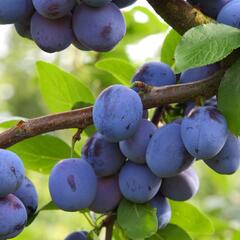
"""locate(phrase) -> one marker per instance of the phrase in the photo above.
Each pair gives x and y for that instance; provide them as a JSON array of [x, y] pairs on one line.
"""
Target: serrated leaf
[[61, 90], [206, 44], [122, 70], [41, 153], [139, 221], [190, 218], [229, 97], [171, 232], [169, 46]]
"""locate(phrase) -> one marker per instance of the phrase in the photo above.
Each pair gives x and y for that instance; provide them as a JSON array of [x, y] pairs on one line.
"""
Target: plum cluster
[[56, 24], [18, 196]]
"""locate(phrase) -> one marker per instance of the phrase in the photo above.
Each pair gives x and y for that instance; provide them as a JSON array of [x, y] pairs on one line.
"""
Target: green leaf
[[120, 69], [206, 44], [137, 220], [42, 153], [8, 122], [169, 46], [171, 232], [61, 90], [191, 219], [118, 233], [229, 97]]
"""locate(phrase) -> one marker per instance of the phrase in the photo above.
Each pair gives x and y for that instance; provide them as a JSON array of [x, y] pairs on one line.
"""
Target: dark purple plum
[[210, 8], [137, 183], [77, 236], [13, 217], [135, 147], [164, 212], [23, 28], [155, 74], [204, 132], [72, 184], [181, 187], [28, 195], [11, 172], [99, 29], [229, 14], [108, 195], [51, 35], [124, 3], [117, 113], [12, 11], [166, 154], [227, 161], [96, 3], [54, 9], [105, 157]]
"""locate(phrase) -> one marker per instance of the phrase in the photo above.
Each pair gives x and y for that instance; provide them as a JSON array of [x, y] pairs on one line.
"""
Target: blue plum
[[137, 183], [117, 113], [72, 184], [11, 172], [79, 45], [204, 132], [99, 29], [164, 212], [227, 161], [54, 9], [198, 73], [51, 35], [229, 14], [210, 8], [12, 11], [181, 187], [108, 195], [166, 154], [105, 157], [155, 74], [28, 195], [124, 3], [77, 236], [13, 217], [23, 28], [96, 3], [135, 147]]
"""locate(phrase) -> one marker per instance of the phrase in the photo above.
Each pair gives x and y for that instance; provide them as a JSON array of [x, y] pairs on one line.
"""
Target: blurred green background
[[219, 196]]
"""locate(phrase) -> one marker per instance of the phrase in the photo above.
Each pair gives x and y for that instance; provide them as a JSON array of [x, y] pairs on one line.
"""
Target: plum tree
[[96, 3], [117, 120], [182, 186], [229, 14], [124, 3], [227, 161], [164, 212], [51, 35], [105, 157], [166, 154], [11, 172], [99, 29], [72, 184], [77, 236], [13, 11], [13, 216], [155, 74], [28, 195], [134, 148], [137, 183], [204, 132], [108, 195], [54, 8]]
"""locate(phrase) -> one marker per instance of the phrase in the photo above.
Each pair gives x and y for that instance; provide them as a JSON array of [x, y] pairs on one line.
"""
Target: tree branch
[[179, 14], [82, 118]]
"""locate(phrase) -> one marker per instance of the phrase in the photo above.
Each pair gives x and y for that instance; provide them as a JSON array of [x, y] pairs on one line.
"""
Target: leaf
[[61, 90], [120, 69], [137, 220], [118, 233], [206, 44], [42, 153], [169, 46], [229, 97], [191, 219], [7, 122], [171, 232]]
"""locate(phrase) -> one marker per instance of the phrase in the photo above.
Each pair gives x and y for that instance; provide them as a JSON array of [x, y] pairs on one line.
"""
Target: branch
[[82, 118], [179, 14]]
